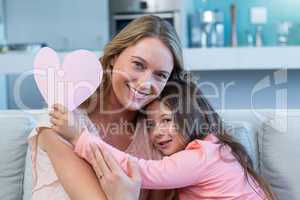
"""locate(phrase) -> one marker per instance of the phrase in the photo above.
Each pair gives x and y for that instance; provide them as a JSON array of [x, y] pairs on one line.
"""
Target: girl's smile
[[164, 144], [162, 129]]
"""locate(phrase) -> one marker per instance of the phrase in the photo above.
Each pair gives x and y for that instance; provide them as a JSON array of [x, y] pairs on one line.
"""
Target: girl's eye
[[150, 125], [138, 65]]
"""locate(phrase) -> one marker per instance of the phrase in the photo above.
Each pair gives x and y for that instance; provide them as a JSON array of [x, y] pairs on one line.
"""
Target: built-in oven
[[124, 11], [121, 20]]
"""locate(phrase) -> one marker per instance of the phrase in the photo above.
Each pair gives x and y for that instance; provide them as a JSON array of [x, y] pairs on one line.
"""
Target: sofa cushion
[[27, 183], [279, 148], [15, 128], [246, 134]]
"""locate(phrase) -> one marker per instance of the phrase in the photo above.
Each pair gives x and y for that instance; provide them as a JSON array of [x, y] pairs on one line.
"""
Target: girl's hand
[[65, 123], [115, 183]]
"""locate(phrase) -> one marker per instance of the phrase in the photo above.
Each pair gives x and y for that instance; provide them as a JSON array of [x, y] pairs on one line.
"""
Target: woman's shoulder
[[80, 110], [84, 117]]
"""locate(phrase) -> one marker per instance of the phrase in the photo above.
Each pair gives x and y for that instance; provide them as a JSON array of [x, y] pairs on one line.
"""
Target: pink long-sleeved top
[[201, 171]]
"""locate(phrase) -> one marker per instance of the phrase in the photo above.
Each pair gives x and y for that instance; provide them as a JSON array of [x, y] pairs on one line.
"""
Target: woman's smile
[[137, 93]]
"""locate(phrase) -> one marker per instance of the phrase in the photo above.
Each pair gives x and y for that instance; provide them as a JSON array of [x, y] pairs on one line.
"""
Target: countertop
[[196, 59]]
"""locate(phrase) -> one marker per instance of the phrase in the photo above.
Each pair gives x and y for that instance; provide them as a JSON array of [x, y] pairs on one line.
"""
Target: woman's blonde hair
[[146, 26]]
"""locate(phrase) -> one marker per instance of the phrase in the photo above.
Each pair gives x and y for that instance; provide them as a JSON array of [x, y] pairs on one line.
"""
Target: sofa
[[270, 137]]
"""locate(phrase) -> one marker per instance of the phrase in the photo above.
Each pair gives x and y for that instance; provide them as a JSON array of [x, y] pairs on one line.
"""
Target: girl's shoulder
[[210, 146], [210, 141]]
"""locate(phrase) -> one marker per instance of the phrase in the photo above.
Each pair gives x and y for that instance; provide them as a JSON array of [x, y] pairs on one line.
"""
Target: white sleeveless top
[[45, 184]]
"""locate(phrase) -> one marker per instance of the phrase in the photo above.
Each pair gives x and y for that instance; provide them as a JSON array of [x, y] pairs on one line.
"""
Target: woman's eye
[[163, 76], [138, 65], [166, 120]]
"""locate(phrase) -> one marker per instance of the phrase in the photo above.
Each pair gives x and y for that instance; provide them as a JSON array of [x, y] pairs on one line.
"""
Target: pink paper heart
[[71, 83]]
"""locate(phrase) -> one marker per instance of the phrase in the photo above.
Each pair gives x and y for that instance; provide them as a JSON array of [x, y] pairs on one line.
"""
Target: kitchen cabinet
[[195, 59], [238, 70]]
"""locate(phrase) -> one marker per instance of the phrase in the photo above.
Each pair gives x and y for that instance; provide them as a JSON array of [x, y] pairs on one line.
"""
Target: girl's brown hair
[[195, 118], [140, 28]]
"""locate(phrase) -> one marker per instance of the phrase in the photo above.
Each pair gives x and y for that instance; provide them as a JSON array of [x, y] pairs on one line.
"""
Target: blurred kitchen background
[[244, 53]]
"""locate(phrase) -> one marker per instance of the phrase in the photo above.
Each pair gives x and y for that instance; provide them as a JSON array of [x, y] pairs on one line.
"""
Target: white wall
[[63, 24], [2, 33]]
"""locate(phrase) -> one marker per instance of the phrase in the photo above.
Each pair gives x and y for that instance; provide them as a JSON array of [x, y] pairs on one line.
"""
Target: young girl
[[201, 160]]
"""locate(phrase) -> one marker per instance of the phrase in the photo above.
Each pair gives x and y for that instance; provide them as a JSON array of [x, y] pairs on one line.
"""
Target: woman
[[137, 63]]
